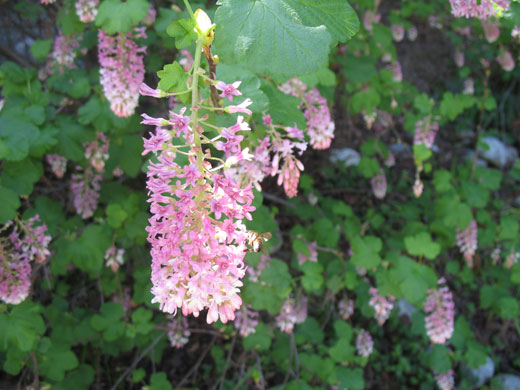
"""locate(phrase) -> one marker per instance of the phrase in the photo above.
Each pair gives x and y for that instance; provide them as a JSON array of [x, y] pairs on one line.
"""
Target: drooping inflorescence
[[441, 312], [481, 9], [467, 242], [381, 305], [364, 343]]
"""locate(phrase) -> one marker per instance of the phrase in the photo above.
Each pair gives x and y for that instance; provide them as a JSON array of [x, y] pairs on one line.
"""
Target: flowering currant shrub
[[252, 194]]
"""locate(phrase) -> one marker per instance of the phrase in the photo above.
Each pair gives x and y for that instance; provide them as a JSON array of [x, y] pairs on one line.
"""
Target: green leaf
[[20, 176], [325, 233], [268, 37], [10, 203], [115, 215], [173, 78], [36, 114], [366, 251], [283, 108], [475, 355], [366, 99], [423, 103], [183, 32], [422, 245], [360, 69], [368, 166], [159, 381], [71, 137], [80, 379], [40, 48], [56, 360], [452, 106], [21, 326], [507, 307], [261, 339], [120, 16], [68, 19], [88, 251], [350, 378], [508, 228], [442, 180], [276, 274], [312, 279], [309, 330], [17, 134], [440, 359]]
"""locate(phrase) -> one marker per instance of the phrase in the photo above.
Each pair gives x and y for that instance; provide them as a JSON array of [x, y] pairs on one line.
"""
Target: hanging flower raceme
[[379, 186], [397, 32], [467, 242], [26, 243], [382, 305], [320, 126], [178, 332], [346, 308], [412, 33], [87, 10], [364, 343], [445, 381], [425, 131], [58, 164], [481, 9], [121, 69], [313, 254], [114, 258], [292, 313], [512, 259], [441, 311], [84, 187], [97, 152], [491, 30], [62, 56], [245, 321], [277, 148], [506, 60]]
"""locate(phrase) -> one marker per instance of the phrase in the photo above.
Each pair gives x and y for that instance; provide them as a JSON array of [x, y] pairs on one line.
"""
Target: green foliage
[[120, 16]]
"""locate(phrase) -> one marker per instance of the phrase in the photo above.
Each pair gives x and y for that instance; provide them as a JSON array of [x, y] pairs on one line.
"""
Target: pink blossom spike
[[467, 242], [364, 343], [440, 311]]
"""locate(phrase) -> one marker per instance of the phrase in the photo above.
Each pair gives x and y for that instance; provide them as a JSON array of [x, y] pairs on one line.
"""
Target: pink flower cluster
[[27, 242], [445, 381], [320, 126], [441, 312], [245, 321], [313, 254], [364, 343], [196, 231], [379, 186], [114, 258], [62, 56], [382, 306], [292, 313], [84, 187], [58, 164], [425, 132], [491, 30], [397, 32], [87, 10], [346, 308], [512, 259], [481, 9], [281, 143], [467, 242], [178, 332], [506, 60], [97, 152], [121, 70]]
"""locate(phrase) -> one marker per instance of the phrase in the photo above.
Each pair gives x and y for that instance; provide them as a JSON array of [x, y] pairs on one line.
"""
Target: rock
[[480, 162], [406, 308], [347, 156], [399, 149], [509, 381], [483, 373], [498, 152]]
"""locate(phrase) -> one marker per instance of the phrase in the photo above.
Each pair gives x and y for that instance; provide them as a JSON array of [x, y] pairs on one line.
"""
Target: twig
[[226, 364], [137, 360], [197, 364], [259, 365], [36, 382], [14, 56], [276, 199]]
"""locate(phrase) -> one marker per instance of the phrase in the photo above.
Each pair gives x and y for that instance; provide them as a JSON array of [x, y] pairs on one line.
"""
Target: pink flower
[[418, 187], [84, 188], [412, 33], [292, 313], [381, 305], [370, 18], [245, 321], [87, 10], [506, 61], [481, 9], [467, 242], [491, 30], [425, 132], [441, 311], [378, 184], [290, 176], [346, 308], [397, 32], [58, 164], [114, 258], [445, 381], [313, 254], [145, 90], [121, 71], [364, 343], [97, 152], [228, 90], [178, 332], [242, 107]]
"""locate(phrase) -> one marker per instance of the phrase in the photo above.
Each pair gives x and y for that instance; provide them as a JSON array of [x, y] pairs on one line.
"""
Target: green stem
[[194, 102], [188, 7]]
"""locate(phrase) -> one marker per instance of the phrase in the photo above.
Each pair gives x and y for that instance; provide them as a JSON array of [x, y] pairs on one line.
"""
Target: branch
[[197, 364], [12, 55], [136, 361]]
